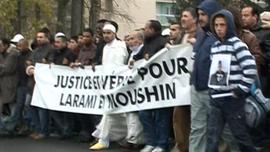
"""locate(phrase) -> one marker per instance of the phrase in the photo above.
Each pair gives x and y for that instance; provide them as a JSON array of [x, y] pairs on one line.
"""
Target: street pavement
[[25, 144]]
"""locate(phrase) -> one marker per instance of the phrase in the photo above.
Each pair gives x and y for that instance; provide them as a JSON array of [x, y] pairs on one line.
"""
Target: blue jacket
[[204, 41]]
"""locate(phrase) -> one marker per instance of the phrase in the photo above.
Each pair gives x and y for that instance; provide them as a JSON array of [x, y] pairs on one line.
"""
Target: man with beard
[[134, 135], [39, 55], [86, 57], [199, 78], [8, 75], [156, 122], [181, 114], [16, 117], [111, 127], [61, 56], [251, 21]]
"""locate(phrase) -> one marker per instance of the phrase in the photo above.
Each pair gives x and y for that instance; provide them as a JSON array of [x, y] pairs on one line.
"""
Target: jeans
[[27, 111], [63, 122], [17, 114], [87, 124], [40, 119], [156, 126], [228, 110]]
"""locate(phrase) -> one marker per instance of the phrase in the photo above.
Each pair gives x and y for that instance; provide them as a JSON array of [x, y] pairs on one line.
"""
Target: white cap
[[17, 38], [58, 34], [166, 32], [109, 27], [265, 16], [265, 19]]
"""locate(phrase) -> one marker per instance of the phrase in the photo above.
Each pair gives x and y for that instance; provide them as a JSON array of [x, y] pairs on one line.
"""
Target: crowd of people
[[231, 50]]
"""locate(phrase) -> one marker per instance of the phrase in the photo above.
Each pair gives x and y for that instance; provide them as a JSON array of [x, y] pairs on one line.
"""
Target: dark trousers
[[40, 119], [63, 122], [228, 110], [156, 126], [87, 124], [17, 115]]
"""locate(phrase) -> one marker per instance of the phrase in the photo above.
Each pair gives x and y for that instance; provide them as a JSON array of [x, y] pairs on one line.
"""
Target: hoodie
[[230, 23], [209, 7], [205, 39], [242, 64]]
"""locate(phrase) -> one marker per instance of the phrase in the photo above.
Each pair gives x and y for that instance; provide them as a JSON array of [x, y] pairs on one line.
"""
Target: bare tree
[[95, 8], [240, 3], [61, 14], [94, 11], [76, 17]]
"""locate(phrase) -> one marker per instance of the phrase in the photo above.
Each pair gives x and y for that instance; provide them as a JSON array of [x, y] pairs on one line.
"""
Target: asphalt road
[[25, 144]]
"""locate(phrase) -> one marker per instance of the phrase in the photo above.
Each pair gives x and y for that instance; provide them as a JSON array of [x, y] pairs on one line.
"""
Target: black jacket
[[151, 46], [58, 56], [21, 67], [41, 53]]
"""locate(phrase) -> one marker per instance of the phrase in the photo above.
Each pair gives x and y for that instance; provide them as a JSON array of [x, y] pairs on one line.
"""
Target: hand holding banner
[[162, 81]]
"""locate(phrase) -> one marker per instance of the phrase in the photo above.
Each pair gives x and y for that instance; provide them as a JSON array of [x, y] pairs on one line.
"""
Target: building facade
[[133, 14]]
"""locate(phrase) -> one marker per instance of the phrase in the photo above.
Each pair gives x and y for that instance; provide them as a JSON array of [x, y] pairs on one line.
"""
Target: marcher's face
[[59, 44], [174, 31], [220, 26], [127, 40], [187, 20], [148, 31], [22, 46], [80, 40], [134, 40], [41, 38], [248, 19], [99, 28], [72, 44], [87, 38], [108, 36], [203, 18]]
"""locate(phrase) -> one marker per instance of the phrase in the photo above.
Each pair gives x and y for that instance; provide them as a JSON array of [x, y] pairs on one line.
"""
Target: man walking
[[227, 101], [199, 79]]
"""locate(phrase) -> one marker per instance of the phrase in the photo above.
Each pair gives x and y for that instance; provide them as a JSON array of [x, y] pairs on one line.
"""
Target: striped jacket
[[242, 68]]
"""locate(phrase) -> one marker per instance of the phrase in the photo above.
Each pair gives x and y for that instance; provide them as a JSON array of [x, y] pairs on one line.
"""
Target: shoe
[[147, 148], [84, 139], [39, 137], [125, 144], [128, 145], [5, 133], [33, 135], [99, 146], [95, 141], [22, 131], [158, 149], [174, 149]]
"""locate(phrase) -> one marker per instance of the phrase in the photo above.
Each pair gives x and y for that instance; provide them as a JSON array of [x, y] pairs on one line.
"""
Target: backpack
[[256, 108]]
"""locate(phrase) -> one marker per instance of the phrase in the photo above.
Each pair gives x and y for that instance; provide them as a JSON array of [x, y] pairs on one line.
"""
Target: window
[[166, 12]]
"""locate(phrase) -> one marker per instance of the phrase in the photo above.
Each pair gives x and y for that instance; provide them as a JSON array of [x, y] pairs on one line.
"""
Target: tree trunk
[[109, 8], [94, 13], [76, 17], [61, 15], [18, 29]]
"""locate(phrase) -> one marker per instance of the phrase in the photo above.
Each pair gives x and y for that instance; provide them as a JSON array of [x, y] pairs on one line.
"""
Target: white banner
[[162, 81]]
